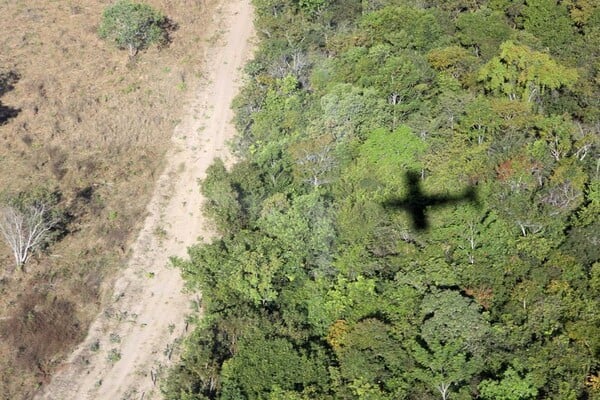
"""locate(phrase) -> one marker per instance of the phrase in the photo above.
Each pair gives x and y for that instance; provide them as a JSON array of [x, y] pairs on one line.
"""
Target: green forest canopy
[[318, 290]]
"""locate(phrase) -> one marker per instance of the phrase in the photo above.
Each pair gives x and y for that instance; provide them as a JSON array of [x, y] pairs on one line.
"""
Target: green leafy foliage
[[511, 387], [318, 288], [262, 365], [484, 31], [522, 73], [549, 21], [132, 26]]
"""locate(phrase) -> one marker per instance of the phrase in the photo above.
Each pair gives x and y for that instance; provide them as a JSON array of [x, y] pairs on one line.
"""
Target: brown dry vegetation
[[80, 118]]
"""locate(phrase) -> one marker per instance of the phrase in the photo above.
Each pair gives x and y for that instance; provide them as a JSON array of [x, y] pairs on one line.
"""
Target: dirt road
[[129, 345]]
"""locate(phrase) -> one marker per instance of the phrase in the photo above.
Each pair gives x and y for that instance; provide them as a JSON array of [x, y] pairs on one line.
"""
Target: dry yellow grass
[[93, 125]]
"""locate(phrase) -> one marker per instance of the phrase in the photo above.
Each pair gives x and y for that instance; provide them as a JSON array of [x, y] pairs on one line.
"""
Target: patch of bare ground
[[80, 118]]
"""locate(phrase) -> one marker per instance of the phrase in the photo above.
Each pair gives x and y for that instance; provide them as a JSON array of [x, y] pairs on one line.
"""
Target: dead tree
[[26, 229]]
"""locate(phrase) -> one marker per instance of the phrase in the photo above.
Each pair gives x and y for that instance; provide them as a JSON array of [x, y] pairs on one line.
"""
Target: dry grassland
[[82, 119]]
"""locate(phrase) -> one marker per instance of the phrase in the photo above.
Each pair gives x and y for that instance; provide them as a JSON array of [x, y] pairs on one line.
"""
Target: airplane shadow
[[417, 204]]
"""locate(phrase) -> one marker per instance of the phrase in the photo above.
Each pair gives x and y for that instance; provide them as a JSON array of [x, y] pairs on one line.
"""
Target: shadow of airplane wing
[[416, 202]]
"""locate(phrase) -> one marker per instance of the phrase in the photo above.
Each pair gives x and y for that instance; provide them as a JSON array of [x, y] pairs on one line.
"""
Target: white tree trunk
[[443, 388], [25, 230]]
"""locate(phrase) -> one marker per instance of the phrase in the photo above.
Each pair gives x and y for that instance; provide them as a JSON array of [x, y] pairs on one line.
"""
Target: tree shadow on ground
[[417, 203], [7, 82], [169, 27]]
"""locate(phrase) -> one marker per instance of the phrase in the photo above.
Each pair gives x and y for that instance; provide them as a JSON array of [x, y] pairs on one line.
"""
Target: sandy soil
[[130, 345]]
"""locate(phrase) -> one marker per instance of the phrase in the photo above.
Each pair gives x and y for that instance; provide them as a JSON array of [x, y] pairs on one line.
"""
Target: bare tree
[[26, 229], [443, 388], [315, 159], [317, 165]]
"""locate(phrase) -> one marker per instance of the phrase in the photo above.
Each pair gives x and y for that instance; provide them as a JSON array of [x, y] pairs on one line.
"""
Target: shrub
[[133, 26]]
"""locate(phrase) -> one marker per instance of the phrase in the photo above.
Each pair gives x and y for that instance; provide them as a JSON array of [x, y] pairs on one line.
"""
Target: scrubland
[[83, 120]]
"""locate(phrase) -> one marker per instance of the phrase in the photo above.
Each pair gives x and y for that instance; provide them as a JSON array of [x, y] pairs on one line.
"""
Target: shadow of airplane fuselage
[[416, 202]]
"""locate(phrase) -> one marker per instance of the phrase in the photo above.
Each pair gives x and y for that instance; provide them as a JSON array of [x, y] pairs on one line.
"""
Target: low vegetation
[[86, 127], [414, 211]]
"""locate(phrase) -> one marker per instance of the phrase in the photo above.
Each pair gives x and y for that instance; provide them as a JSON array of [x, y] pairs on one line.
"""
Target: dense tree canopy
[[481, 115]]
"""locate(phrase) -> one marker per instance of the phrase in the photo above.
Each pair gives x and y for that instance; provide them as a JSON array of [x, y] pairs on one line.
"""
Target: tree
[[26, 223], [349, 112], [372, 361], [315, 160], [402, 27], [522, 73], [222, 200], [133, 26], [549, 21], [453, 342], [455, 61], [389, 155], [581, 11], [512, 387], [323, 292], [263, 364], [483, 30]]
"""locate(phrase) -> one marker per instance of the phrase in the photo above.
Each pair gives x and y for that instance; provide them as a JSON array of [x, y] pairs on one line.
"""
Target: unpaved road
[[129, 345]]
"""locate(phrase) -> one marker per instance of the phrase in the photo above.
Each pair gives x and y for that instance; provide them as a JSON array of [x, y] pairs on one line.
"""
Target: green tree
[[133, 26], [403, 27], [320, 291], [483, 30], [347, 111], [263, 365], [549, 21], [244, 269], [455, 61], [303, 230], [371, 358], [512, 387], [389, 155], [222, 204], [523, 73], [453, 341]]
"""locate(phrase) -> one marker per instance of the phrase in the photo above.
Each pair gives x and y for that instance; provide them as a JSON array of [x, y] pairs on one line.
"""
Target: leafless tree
[[443, 388], [26, 229], [317, 165], [315, 159]]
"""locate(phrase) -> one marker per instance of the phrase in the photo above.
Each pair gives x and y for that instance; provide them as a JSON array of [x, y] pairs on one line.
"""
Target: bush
[[133, 26]]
